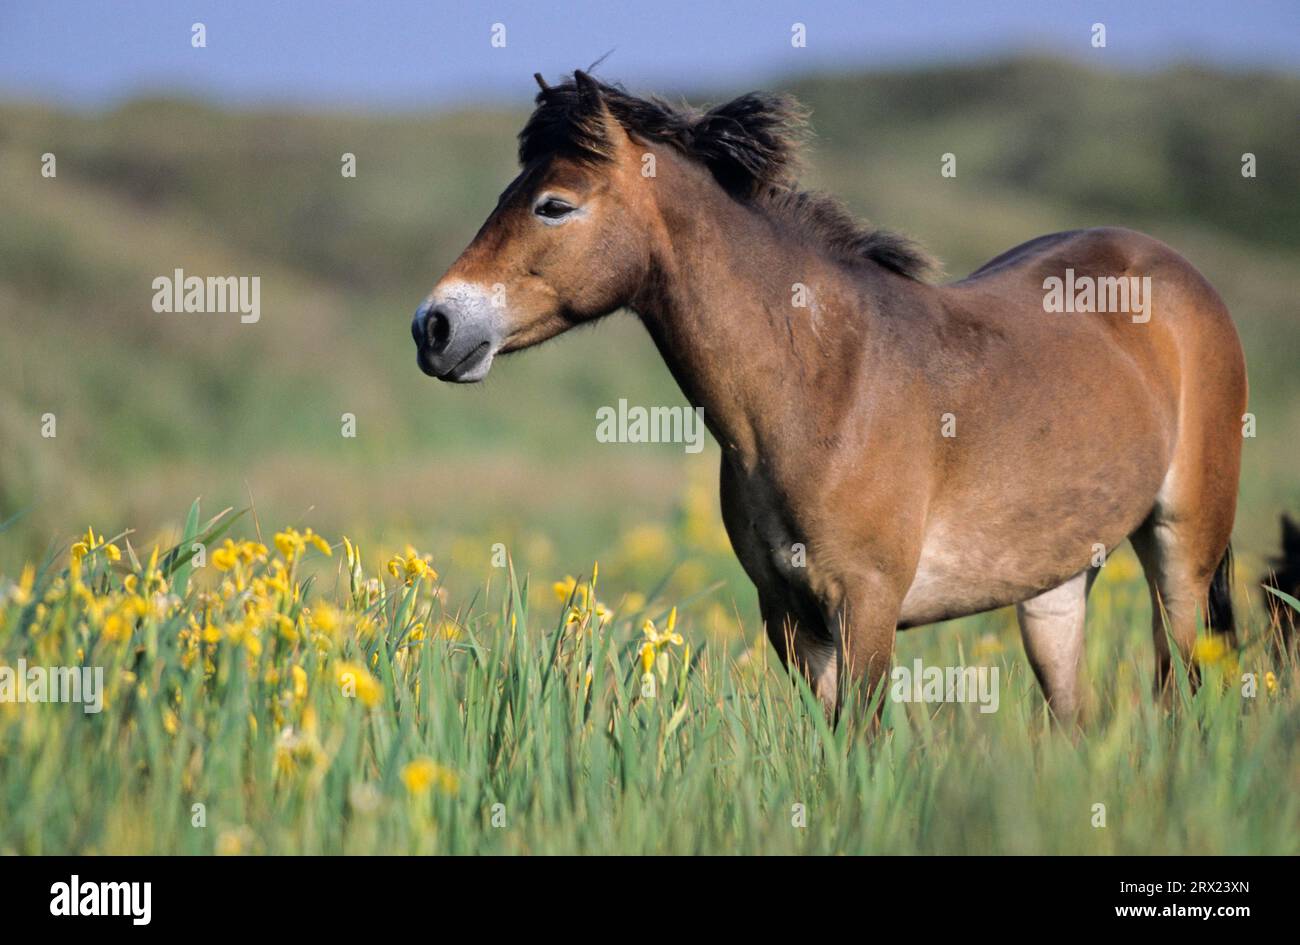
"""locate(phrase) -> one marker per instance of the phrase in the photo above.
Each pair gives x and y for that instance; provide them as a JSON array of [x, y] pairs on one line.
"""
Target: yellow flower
[[276, 579], [317, 542], [1270, 683], [90, 542], [355, 680], [289, 543], [87, 544], [299, 682], [171, 722], [647, 657], [285, 626], [424, 773], [668, 636], [225, 557], [116, 628], [1210, 650], [418, 775], [564, 589], [21, 594], [325, 617], [411, 566]]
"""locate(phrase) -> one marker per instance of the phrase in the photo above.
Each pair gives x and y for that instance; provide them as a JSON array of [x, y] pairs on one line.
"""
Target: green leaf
[[1295, 604], [181, 581], [5, 525], [179, 555]]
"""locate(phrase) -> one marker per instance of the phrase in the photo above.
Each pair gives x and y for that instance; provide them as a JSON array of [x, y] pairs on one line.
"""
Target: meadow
[[457, 675], [286, 696]]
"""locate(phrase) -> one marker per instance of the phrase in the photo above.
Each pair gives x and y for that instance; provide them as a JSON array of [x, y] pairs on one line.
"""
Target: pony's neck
[[749, 321]]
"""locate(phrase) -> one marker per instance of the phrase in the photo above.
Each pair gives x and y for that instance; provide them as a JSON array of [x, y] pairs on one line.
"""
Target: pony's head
[[576, 234]]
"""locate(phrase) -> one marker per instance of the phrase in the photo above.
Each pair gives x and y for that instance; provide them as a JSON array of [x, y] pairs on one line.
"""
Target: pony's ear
[[597, 122], [752, 143], [588, 89]]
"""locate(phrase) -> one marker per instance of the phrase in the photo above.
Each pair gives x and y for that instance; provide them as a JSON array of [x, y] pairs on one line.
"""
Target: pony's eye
[[552, 208]]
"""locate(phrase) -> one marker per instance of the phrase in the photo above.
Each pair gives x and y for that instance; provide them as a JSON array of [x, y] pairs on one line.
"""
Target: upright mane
[[752, 145]]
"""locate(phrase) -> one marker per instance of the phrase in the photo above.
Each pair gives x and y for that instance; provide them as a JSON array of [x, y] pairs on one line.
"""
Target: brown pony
[[894, 452]]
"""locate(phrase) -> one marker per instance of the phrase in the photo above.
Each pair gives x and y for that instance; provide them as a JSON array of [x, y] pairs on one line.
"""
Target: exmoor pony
[[934, 450]]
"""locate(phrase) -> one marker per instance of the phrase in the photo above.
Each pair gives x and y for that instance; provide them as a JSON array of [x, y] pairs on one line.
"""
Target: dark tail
[[1220, 599]]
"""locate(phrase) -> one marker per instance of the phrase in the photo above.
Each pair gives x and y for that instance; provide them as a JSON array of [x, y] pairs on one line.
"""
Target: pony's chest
[[769, 540]]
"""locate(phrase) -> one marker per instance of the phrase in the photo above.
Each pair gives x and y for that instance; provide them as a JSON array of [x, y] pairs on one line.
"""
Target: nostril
[[437, 328]]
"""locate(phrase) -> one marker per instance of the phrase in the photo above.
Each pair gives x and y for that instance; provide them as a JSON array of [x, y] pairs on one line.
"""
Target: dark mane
[[752, 146]]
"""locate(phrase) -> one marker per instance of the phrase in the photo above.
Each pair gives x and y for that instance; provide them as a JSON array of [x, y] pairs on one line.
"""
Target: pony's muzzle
[[452, 346]]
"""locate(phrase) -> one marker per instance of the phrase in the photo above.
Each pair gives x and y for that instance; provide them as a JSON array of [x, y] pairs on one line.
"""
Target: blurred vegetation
[[154, 409]]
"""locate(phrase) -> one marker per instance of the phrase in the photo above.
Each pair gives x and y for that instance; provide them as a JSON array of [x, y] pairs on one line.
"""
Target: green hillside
[[153, 409]]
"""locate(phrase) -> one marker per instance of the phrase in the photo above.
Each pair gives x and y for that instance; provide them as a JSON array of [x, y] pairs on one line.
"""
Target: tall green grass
[[501, 725]]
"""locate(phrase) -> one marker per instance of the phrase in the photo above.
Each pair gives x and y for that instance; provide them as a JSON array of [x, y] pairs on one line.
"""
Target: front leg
[[801, 638], [792, 616], [862, 615]]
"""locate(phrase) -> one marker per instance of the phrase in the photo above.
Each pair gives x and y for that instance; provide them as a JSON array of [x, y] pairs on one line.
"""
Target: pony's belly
[[943, 589], [968, 571], [1016, 528]]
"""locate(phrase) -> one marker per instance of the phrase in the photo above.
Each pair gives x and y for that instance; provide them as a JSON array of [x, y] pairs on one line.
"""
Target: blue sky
[[407, 54]]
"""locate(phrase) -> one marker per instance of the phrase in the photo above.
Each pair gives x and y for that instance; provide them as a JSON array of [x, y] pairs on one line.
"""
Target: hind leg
[[1185, 536], [1051, 626], [1179, 555]]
